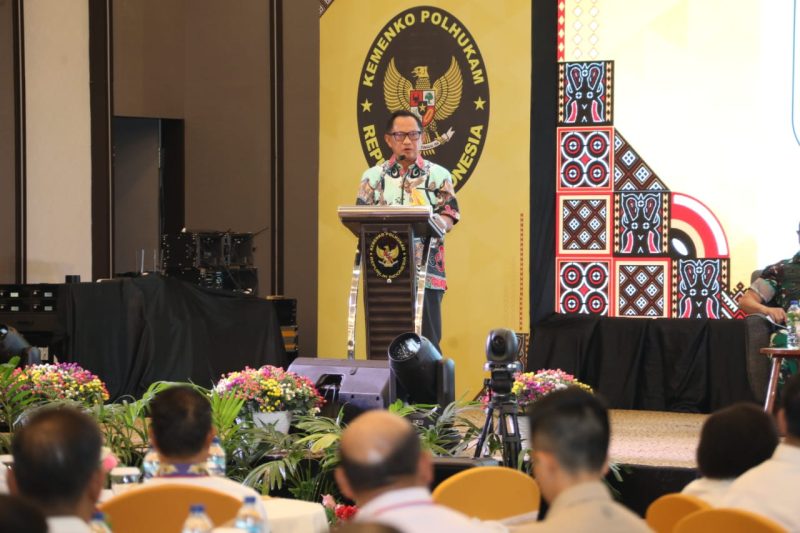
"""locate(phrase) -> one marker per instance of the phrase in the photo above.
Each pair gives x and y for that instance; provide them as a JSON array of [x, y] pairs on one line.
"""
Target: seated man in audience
[[733, 441], [386, 473], [57, 467], [570, 434], [181, 432], [770, 488]]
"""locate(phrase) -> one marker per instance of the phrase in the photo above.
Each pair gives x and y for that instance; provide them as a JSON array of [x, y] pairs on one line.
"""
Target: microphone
[[401, 157]]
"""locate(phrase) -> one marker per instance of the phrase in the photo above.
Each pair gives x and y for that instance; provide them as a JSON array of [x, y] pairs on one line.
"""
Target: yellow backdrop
[[487, 253]]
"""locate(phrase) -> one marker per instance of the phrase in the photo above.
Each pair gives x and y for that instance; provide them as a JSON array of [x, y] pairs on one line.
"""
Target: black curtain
[[667, 364], [134, 331]]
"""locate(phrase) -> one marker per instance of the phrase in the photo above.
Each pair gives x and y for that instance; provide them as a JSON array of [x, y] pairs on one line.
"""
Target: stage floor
[[647, 438], [655, 438]]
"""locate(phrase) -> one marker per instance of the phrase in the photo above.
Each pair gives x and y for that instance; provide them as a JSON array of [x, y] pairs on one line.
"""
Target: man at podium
[[408, 179]]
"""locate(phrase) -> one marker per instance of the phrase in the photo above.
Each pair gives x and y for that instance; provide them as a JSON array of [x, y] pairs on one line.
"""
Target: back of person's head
[[180, 419], [378, 450], [571, 424], [17, 515], [734, 440], [56, 457], [790, 405]]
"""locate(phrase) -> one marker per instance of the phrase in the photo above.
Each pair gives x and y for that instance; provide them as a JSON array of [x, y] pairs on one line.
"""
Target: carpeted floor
[[646, 438], [655, 438]]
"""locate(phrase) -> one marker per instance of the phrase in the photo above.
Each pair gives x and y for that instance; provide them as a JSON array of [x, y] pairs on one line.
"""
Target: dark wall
[[8, 145], [136, 193], [206, 62], [148, 51], [301, 163]]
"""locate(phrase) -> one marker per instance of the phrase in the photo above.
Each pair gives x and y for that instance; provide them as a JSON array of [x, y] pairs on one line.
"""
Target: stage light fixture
[[13, 344], [422, 374]]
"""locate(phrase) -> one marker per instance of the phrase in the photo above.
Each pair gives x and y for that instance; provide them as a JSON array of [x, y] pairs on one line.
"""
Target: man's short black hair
[[180, 418], [573, 425], [400, 463], [402, 113], [18, 514], [734, 440], [790, 403], [56, 454]]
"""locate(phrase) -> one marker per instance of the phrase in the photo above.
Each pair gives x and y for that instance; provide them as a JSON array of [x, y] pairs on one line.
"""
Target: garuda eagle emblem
[[430, 104], [387, 256]]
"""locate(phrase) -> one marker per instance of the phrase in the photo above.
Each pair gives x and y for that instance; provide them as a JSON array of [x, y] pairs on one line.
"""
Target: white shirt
[[770, 489], [221, 484], [411, 510], [67, 524], [709, 490]]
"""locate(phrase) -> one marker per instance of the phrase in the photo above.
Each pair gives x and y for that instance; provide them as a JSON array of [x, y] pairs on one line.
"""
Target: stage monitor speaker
[[356, 385], [446, 466]]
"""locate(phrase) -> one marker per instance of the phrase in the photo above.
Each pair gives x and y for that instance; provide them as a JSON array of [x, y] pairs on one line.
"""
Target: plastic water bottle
[[197, 521], [249, 519], [150, 463], [216, 458], [98, 523], [792, 322]]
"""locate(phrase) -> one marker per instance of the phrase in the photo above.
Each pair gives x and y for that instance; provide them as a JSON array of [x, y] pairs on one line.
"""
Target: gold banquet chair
[[489, 492], [163, 508], [727, 521], [669, 509]]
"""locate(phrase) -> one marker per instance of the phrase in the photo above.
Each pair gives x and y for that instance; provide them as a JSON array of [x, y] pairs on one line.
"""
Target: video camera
[[501, 360]]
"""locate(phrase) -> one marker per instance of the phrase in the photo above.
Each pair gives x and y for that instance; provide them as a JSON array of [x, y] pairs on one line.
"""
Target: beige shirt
[[587, 507], [712, 491], [67, 524], [770, 489]]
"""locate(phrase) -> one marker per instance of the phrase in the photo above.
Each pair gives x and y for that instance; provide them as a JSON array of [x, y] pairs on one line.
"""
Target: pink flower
[[109, 460], [328, 501]]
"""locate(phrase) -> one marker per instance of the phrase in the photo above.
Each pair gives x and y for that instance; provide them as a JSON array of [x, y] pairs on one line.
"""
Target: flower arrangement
[[337, 512], [269, 389], [61, 381], [531, 386]]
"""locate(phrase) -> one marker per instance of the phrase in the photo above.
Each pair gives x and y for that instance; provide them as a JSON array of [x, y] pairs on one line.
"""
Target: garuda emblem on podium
[[388, 255], [432, 104]]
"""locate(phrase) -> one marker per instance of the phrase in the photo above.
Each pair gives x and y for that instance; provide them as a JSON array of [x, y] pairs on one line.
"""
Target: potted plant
[[529, 387], [61, 382], [272, 395], [14, 400]]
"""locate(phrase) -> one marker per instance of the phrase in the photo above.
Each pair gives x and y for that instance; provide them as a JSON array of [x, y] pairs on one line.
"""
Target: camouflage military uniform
[[777, 286]]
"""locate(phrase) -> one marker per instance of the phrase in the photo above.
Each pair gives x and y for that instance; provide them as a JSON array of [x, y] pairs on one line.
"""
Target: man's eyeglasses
[[400, 136]]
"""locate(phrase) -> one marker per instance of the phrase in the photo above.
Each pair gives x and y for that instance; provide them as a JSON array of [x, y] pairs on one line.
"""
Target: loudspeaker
[[446, 466], [355, 384]]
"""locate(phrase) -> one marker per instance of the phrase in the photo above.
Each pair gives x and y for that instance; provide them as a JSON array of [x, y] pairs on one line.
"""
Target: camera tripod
[[507, 426]]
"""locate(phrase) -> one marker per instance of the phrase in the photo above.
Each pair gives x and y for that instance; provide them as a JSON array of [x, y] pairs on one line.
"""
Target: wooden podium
[[394, 285]]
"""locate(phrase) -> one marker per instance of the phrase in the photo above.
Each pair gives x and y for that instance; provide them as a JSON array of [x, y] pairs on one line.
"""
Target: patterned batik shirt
[[424, 183], [779, 284]]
